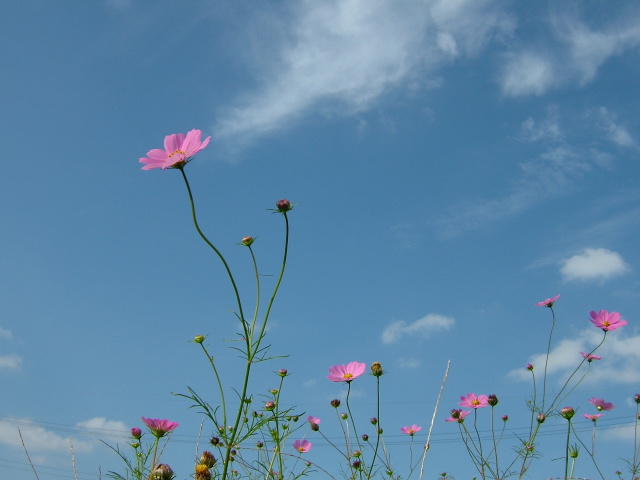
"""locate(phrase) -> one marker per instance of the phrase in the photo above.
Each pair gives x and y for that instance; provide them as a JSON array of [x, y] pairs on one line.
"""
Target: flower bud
[[376, 369], [207, 459], [357, 454], [198, 338], [283, 205], [269, 406], [246, 241], [541, 417], [492, 400], [259, 444], [455, 413], [315, 427], [273, 391], [344, 416], [356, 464], [162, 472], [335, 403], [214, 441], [529, 367], [637, 397], [282, 372], [373, 420], [202, 472], [567, 412], [365, 438], [136, 433], [505, 418]]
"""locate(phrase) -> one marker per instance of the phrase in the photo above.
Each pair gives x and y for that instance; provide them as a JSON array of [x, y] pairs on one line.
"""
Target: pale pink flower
[[548, 302], [411, 430], [346, 373], [302, 446], [600, 404], [471, 400], [178, 151], [590, 357], [313, 420], [457, 415], [592, 417], [607, 321], [160, 427]]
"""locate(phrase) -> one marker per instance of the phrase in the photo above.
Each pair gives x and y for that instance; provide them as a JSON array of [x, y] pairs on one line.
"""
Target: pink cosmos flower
[[313, 420], [302, 446], [592, 417], [590, 357], [346, 373], [178, 151], [600, 404], [411, 430], [548, 302], [471, 400], [458, 416], [159, 427], [607, 321]]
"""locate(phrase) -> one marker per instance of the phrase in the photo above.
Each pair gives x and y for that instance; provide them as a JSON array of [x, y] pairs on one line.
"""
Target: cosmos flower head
[[471, 400], [590, 357], [160, 427], [346, 373], [607, 321], [313, 420], [179, 150], [457, 415], [548, 302], [593, 418], [302, 446], [600, 404], [412, 430]]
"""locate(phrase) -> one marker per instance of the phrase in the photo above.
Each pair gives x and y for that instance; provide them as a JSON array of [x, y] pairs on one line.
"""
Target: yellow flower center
[[177, 152], [606, 323], [475, 401], [347, 376]]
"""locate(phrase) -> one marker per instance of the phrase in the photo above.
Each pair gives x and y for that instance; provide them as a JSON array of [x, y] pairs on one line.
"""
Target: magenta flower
[[178, 151], [313, 420], [592, 417], [590, 357], [457, 415], [159, 427], [548, 302], [346, 373], [411, 430], [607, 321], [302, 446], [471, 400], [600, 404], [136, 433]]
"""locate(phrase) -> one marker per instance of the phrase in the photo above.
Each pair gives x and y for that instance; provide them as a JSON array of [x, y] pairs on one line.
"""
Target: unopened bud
[[283, 205], [198, 338], [202, 472], [136, 433], [529, 367], [567, 412], [282, 372], [365, 438], [246, 241], [269, 406], [335, 403], [376, 369], [207, 459], [162, 472], [541, 417], [344, 416], [492, 400]]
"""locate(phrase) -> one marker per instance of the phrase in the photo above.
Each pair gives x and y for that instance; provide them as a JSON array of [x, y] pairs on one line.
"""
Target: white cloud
[[594, 264], [527, 73], [5, 334], [615, 133], [620, 362], [345, 54], [37, 438], [10, 362], [423, 327], [101, 427], [576, 54]]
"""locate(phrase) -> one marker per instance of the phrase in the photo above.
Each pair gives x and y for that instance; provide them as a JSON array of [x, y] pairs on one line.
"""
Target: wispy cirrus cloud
[[423, 327], [342, 56], [576, 53]]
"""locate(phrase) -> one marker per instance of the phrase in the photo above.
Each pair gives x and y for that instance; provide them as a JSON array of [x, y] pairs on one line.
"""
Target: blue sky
[[452, 164]]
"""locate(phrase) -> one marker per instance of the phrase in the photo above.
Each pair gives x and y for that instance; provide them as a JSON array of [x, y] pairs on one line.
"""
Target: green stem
[[566, 451], [219, 382], [546, 362], [375, 452]]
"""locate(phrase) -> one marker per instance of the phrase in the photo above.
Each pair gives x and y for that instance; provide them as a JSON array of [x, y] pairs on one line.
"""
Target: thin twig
[[73, 460], [198, 440], [433, 418], [27, 453]]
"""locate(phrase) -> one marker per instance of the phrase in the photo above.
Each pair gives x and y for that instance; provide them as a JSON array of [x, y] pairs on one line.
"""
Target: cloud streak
[[423, 327], [344, 55]]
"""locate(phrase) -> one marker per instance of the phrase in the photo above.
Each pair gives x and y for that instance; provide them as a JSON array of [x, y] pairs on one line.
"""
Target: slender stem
[[375, 452], [213, 247], [566, 451], [219, 382], [546, 362], [257, 309]]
